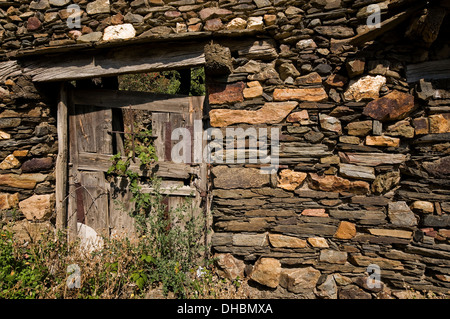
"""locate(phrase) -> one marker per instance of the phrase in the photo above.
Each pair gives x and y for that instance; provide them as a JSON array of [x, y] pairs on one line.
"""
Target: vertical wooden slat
[[175, 121], [158, 129], [120, 206], [61, 160], [73, 171], [103, 134], [95, 201]]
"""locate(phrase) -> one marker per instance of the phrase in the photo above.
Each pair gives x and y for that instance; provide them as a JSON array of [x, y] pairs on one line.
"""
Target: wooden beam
[[9, 69], [100, 162], [175, 191], [385, 26], [101, 63], [425, 29], [430, 70], [138, 100], [61, 159]]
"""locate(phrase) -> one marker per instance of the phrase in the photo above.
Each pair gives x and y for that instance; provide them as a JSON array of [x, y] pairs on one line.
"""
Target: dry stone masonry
[[364, 117]]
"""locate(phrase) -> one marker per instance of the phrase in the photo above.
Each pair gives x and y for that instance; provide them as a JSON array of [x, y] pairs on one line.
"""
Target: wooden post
[[72, 171], [61, 160]]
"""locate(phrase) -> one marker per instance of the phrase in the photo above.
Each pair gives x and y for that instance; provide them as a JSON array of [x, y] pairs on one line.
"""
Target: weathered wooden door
[[95, 117]]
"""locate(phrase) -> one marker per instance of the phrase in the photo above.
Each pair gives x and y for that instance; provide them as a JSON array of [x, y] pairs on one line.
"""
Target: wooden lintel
[[142, 58], [139, 100]]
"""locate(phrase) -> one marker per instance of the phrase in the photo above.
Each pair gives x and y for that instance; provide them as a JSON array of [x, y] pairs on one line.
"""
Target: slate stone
[[218, 59], [393, 106], [37, 164], [401, 215], [229, 178]]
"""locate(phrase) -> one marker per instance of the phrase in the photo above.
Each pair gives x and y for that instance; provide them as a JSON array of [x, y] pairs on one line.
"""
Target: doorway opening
[[130, 118]]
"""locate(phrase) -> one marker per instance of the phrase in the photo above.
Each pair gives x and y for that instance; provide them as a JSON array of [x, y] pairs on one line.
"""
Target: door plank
[[100, 162], [73, 173], [159, 121], [120, 207], [95, 202], [103, 131]]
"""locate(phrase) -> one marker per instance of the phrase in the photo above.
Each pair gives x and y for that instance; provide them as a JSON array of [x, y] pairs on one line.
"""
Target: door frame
[[106, 98]]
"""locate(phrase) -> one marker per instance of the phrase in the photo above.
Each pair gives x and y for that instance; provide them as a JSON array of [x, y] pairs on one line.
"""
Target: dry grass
[[105, 274]]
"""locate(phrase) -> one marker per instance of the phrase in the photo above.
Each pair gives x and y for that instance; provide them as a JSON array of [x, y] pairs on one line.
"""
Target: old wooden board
[[139, 100], [101, 63], [101, 162], [430, 70], [120, 205]]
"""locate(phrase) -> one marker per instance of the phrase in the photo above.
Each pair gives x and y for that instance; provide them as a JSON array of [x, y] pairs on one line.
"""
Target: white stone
[[306, 44], [255, 23], [121, 31], [236, 24], [89, 239], [356, 171], [400, 214], [367, 87], [330, 123]]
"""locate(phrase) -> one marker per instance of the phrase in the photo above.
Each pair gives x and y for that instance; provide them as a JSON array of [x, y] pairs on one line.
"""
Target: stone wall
[[364, 155], [28, 148]]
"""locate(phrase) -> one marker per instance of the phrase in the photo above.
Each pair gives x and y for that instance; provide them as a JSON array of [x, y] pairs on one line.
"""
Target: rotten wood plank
[[159, 121], [425, 29], [430, 70], [121, 223], [95, 202], [138, 100], [9, 69], [101, 162], [173, 191]]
